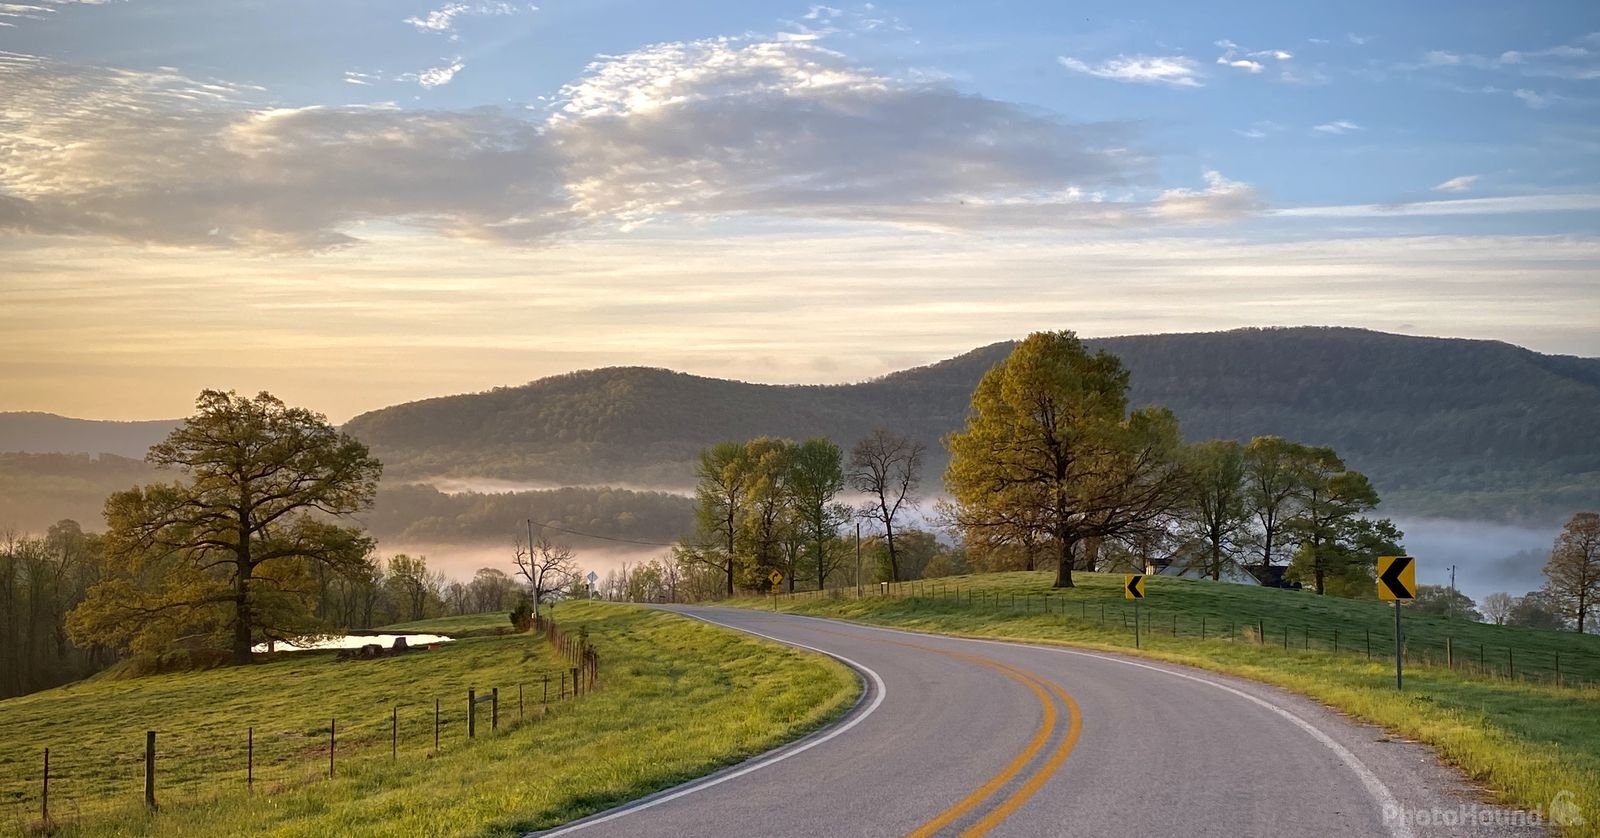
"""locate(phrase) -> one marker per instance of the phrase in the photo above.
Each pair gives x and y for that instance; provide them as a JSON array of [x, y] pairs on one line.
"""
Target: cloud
[[13, 12], [1259, 129], [1457, 184], [1231, 58], [693, 131], [435, 76], [443, 19], [1358, 40], [1507, 205], [1338, 126], [1174, 70], [1534, 99], [1221, 200]]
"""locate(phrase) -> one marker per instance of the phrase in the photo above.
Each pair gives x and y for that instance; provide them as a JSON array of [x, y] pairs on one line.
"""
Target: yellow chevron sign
[[1133, 587], [1397, 578]]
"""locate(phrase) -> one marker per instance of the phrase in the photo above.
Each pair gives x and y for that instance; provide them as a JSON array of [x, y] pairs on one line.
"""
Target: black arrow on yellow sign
[[1134, 587], [1397, 578]]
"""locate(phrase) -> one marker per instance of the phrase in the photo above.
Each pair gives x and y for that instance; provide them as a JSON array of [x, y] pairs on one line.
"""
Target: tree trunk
[[1063, 563], [241, 611]]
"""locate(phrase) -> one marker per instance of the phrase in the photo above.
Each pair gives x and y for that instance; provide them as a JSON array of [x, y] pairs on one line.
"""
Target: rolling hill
[[1445, 426]]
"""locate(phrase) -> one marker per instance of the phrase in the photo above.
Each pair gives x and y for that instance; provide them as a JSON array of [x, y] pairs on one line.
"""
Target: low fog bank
[[491, 486], [461, 561], [1488, 557]]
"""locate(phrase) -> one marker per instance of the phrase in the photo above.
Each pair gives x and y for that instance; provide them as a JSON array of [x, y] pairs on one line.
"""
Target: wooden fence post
[[44, 799], [472, 713]]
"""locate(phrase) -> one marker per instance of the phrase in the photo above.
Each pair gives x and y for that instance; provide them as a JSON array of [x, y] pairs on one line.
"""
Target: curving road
[[964, 737]]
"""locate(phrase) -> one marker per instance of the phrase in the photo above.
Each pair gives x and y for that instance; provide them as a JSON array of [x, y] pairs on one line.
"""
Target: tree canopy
[[1049, 432], [224, 556]]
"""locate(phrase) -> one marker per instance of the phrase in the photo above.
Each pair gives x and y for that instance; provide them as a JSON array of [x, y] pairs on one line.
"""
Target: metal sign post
[[1133, 588], [1397, 582]]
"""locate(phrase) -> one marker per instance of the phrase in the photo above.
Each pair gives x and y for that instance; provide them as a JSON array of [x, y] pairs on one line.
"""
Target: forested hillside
[[1459, 428], [1443, 426], [47, 433]]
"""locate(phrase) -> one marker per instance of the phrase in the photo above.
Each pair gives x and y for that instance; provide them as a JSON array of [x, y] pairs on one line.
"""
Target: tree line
[[1053, 468]]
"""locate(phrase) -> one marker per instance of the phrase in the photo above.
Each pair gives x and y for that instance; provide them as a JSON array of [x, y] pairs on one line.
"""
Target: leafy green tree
[[1446, 602], [232, 547], [816, 479], [1049, 429], [768, 515], [1271, 480], [726, 480], [1572, 576], [1214, 514], [887, 468], [1330, 499]]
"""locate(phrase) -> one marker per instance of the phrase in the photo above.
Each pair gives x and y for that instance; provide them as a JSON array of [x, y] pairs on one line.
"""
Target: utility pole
[[534, 569], [1453, 590], [858, 560]]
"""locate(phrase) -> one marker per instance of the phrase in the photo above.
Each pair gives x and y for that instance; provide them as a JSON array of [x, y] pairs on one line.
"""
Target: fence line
[[68, 787], [1374, 642]]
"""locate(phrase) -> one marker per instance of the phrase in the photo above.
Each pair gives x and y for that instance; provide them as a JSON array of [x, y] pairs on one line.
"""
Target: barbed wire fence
[[75, 786]]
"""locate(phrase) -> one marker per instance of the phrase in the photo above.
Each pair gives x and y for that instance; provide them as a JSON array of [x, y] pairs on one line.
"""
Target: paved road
[[959, 737]]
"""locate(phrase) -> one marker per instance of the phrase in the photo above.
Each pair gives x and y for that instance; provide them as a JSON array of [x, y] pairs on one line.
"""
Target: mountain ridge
[[1447, 426]]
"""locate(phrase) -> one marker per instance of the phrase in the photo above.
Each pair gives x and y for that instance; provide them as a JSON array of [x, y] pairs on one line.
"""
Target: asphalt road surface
[[962, 737]]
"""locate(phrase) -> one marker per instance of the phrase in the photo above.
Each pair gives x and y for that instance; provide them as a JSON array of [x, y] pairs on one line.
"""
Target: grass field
[[677, 699], [1523, 741]]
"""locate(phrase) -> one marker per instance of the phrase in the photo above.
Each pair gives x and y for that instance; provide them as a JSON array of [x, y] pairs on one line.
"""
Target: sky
[[354, 203]]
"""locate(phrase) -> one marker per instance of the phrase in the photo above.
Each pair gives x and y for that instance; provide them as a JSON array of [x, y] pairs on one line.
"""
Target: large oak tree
[[1050, 429], [226, 553]]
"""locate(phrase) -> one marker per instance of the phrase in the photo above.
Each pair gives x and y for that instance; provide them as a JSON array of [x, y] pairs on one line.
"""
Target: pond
[[352, 641]]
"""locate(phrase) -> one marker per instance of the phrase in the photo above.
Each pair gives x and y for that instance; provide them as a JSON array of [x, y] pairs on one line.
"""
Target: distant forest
[[1447, 427]]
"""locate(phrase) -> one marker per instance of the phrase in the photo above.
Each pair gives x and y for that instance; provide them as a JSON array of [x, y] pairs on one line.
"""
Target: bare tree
[[549, 568], [887, 468], [1498, 607]]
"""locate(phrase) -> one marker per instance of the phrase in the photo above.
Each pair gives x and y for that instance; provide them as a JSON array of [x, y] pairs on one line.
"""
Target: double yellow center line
[[1048, 693]]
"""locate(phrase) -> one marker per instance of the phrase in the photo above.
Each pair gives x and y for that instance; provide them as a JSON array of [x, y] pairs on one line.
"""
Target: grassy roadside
[[679, 699], [1522, 742]]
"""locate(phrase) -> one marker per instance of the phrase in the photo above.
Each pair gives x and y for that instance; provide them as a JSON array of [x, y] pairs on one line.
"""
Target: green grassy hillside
[[1522, 740], [678, 698]]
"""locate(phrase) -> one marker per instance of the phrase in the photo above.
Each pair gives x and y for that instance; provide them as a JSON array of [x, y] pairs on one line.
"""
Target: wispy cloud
[[1338, 126], [1174, 70], [443, 19], [1462, 183], [1259, 129], [1250, 62], [1511, 204], [695, 130], [1535, 99]]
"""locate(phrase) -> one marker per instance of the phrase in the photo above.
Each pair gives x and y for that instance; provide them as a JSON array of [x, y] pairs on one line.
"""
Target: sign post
[[1133, 588], [593, 578], [776, 576], [1397, 582]]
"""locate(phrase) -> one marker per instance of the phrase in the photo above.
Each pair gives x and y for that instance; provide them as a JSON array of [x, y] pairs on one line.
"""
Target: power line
[[607, 537]]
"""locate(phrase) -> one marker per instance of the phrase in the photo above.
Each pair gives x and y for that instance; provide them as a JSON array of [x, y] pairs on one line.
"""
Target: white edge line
[[1398, 828], [772, 757]]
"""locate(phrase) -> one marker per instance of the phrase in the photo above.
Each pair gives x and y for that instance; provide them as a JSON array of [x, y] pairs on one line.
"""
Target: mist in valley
[[1488, 556], [460, 561]]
